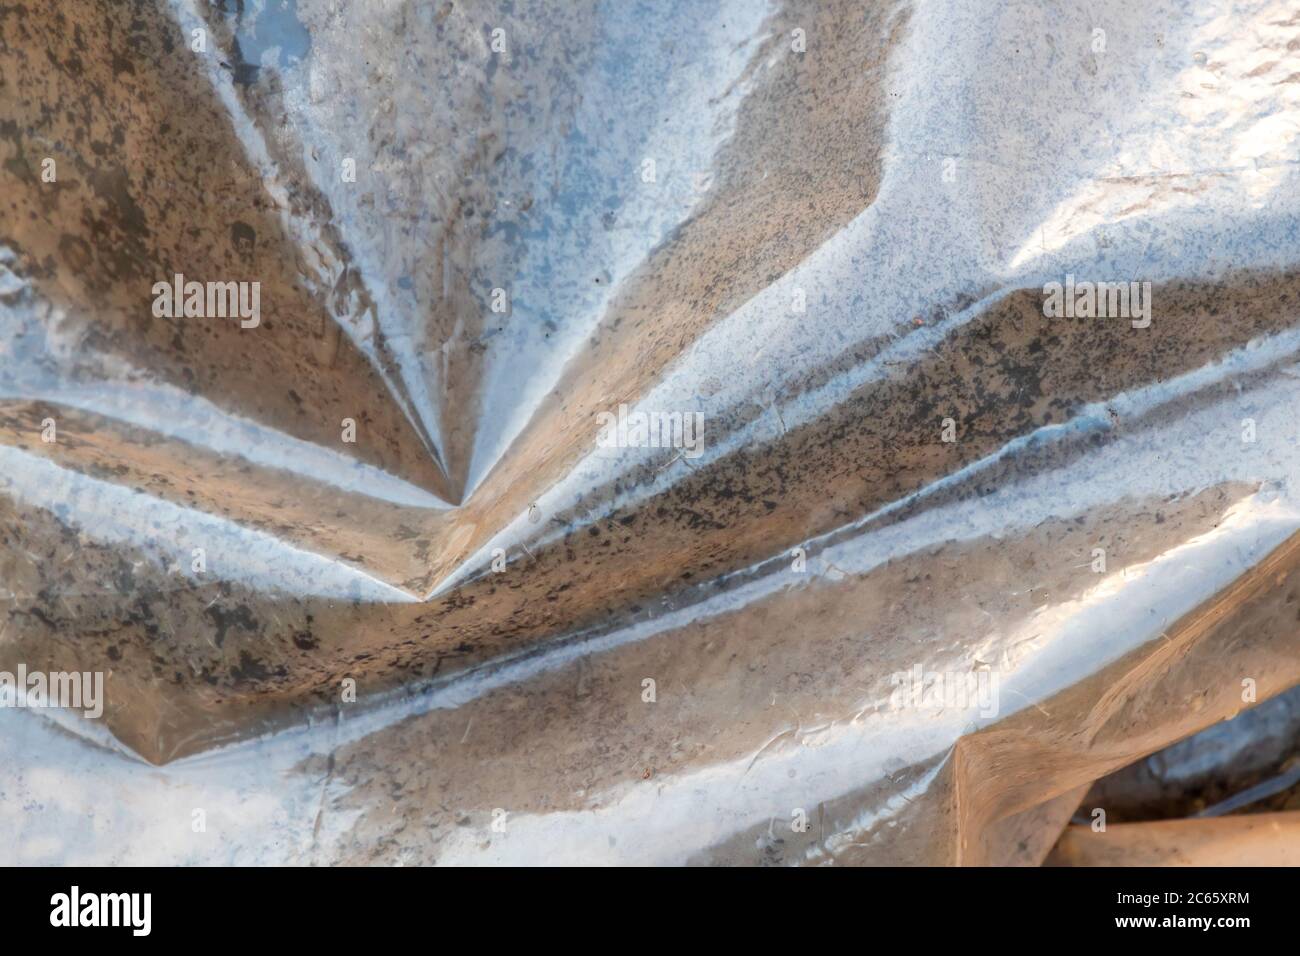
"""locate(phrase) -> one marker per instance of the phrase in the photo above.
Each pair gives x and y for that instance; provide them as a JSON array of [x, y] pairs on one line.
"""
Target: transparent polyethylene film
[[575, 432]]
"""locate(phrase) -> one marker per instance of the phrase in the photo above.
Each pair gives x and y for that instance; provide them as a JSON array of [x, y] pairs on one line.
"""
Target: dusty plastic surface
[[842, 240], [1265, 839], [1249, 764]]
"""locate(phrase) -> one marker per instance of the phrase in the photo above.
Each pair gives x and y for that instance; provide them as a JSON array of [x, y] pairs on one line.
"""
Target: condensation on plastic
[[913, 172]]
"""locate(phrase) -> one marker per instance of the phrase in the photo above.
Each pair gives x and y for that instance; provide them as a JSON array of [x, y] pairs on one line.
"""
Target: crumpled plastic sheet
[[1248, 764], [1227, 796], [828, 228]]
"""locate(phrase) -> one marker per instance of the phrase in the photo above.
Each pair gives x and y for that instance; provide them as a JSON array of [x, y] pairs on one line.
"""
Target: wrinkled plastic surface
[[1250, 764], [852, 214]]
